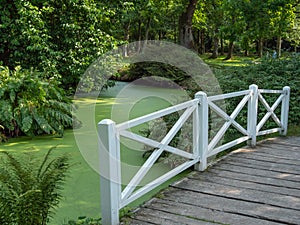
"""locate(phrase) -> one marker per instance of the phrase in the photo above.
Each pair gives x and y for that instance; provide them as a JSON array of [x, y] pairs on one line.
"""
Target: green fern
[[30, 192]]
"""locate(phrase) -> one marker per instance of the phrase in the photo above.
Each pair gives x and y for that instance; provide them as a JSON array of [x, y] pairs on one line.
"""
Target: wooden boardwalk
[[249, 186]]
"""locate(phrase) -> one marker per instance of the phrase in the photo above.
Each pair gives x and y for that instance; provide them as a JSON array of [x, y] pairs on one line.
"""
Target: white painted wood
[[155, 144], [229, 95], [230, 120], [252, 114], [270, 91], [155, 115], [155, 183], [110, 172], [196, 136], [270, 111], [285, 110], [270, 131], [222, 114], [202, 123], [227, 145], [156, 153]]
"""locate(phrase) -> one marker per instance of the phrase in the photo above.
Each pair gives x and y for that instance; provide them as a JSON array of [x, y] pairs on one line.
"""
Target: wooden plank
[[264, 158], [280, 147], [252, 178], [129, 221], [203, 213], [265, 165], [159, 216], [283, 146], [292, 141], [259, 172], [240, 193], [278, 152], [234, 206], [251, 186], [268, 154], [230, 180]]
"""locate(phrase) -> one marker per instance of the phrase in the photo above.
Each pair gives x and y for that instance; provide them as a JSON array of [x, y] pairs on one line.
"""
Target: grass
[[235, 61]]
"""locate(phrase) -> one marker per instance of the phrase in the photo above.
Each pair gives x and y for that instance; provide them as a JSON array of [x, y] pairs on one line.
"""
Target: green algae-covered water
[[81, 194]]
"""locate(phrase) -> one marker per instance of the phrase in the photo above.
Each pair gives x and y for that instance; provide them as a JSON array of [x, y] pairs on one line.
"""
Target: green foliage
[[84, 221], [267, 74], [271, 74], [31, 105], [30, 191], [60, 37]]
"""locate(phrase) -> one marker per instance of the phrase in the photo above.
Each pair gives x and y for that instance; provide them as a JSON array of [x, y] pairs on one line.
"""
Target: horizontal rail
[[229, 95], [270, 131], [265, 91], [156, 115]]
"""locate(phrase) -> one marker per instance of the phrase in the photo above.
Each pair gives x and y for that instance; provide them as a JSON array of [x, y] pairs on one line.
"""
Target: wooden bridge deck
[[249, 186]]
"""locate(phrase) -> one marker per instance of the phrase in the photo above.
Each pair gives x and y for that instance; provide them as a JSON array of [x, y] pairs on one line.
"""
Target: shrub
[[84, 221], [31, 105], [267, 74], [29, 191]]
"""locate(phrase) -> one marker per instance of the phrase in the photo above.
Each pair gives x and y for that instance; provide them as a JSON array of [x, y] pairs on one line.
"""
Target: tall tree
[[234, 24], [185, 25], [282, 19], [60, 37], [294, 35], [215, 16]]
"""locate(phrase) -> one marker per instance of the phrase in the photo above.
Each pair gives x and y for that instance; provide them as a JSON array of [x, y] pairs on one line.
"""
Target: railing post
[[252, 114], [110, 181], [285, 110], [203, 130]]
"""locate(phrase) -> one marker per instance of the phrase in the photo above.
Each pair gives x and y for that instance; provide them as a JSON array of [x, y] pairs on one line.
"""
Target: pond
[[124, 101]]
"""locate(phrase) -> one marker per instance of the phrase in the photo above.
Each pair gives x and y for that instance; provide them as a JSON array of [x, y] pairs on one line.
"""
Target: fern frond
[[21, 172], [30, 192], [45, 160]]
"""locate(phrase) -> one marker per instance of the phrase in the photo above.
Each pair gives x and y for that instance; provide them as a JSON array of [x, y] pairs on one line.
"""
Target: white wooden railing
[[113, 198]]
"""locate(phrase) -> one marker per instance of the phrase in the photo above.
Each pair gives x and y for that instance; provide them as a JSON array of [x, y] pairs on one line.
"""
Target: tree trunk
[[260, 47], [230, 50], [185, 25], [222, 45], [278, 47], [126, 39], [202, 44], [147, 30], [140, 37], [198, 40], [146, 33], [175, 29], [215, 52]]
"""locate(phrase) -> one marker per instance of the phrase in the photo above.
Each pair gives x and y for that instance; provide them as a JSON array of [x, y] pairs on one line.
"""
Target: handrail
[[113, 198]]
